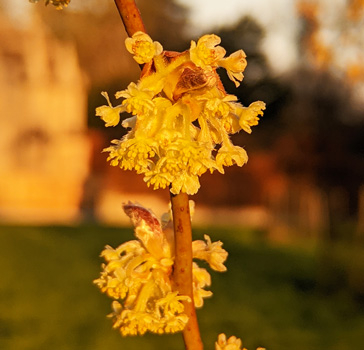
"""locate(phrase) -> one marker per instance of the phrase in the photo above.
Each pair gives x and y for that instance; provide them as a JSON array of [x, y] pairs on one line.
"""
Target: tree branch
[[182, 274], [130, 16]]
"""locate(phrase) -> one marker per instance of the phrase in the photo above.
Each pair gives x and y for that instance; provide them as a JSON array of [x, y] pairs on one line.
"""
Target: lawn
[[268, 297]]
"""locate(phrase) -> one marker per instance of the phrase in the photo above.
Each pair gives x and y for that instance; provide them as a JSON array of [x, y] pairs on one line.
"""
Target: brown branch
[[182, 274], [130, 16]]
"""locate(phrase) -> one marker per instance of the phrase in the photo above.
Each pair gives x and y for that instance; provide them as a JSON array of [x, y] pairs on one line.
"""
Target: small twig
[[130, 16], [182, 274]]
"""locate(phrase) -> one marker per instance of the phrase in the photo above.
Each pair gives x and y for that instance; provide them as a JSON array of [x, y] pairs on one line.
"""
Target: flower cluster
[[181, 115], [57, 3], [232, 343], [138, 276]]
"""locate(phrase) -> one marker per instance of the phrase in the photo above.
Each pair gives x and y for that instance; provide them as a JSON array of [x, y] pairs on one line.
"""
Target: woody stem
[[182, 274], [130, 16]]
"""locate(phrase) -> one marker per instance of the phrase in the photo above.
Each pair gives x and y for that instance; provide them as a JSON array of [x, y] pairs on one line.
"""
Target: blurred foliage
[[332, 37], [259, 82], [268, 296], [312, 126]]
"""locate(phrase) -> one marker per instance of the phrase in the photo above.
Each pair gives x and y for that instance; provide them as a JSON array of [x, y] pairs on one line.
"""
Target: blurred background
[[293, 217]]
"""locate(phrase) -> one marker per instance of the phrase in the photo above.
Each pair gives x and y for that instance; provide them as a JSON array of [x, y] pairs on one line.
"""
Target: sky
[[277, 16]]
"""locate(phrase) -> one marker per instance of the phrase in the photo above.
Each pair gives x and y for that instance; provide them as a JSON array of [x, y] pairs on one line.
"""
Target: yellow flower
[[233, 343], [213, 253], [132, 153], [180, 166], [220, 107], [158, 180], [182, 116], [138, 276], [201, 279], [235, 65], [185, 183], [205, 53], [229, 155], [249, 116], [143, 47], [138, 102], [109, 114], [168, 317]]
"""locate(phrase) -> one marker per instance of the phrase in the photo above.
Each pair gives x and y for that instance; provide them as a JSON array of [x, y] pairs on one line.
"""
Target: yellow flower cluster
[[137, 275], [182, 116], [57, 3], [233, 343]]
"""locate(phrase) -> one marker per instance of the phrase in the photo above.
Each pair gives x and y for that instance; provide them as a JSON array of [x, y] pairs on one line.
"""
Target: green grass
[[268, 296]]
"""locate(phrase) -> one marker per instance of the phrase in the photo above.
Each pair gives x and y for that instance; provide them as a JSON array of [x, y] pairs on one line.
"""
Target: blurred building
[[44, 150]]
